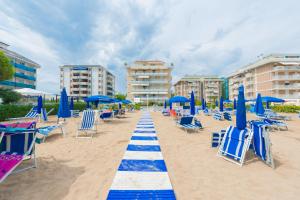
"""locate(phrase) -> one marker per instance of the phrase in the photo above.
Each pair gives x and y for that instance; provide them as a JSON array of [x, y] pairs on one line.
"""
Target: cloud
[[199, 37]]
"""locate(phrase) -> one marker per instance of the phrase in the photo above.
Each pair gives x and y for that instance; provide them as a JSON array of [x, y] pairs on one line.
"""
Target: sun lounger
[[276, 124], [186, 123], [216, 138], [45, 131], [227, 116], [218, 116], [88, 124], [106, 116], [16, 145], [261, 142], [75, 113], [235, 144]]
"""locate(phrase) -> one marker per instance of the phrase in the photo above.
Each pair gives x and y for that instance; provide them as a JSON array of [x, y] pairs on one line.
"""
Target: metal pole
[[147, 103]]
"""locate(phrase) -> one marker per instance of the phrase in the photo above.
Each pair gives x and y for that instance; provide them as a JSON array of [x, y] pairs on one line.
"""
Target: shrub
[[8, 96], [286, 108]]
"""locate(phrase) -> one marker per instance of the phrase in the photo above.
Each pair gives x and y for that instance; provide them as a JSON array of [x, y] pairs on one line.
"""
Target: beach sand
[[70, 168]]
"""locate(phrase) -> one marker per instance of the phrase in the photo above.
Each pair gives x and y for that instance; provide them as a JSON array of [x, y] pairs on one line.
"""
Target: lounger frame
[[91, 130]]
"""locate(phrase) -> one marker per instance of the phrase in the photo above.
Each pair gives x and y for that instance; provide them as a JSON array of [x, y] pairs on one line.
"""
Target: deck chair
[[45, 131], [235, 144], [207, 112], [31, 115], [276, 124], [106, 116], [227, 116], [75, 113], [44, 114], [218, 116], [261, 142], [187, 123], [88, 124], [216, 138], [16, 145]]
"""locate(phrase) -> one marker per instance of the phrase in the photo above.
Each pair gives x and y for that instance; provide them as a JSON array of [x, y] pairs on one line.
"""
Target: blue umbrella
[[165, 104], [63, 109], [120, 106], [259, 108], [241, 110], [178, 99], [170, 105], [217, 103], [221, 105], [192, 104], [227, 101], [272, 99], [267, 105], [203, 104], [39, 104], [125, 101], [72, 104], [234, 104], [87, 104]]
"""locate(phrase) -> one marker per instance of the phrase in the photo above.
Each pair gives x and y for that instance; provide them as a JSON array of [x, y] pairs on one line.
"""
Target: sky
[[212, 37]]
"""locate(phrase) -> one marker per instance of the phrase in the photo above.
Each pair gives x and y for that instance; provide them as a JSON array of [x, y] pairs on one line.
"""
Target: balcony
[[149, 74], [150, 91], [286, 87], [286, 77], [149, 82], [286, 68]]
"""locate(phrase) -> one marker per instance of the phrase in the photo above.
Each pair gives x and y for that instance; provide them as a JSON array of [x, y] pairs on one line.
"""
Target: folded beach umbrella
[[165, 104], [39, 104], [234, 104], [259, 108], [120, 106], [203, 104], [241, 110], [63, 109], [221, 105], [72, 104], [217, 103], [192, 104]]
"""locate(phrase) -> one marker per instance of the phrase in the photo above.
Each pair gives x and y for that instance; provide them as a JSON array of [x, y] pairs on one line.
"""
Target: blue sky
[[200, 37]]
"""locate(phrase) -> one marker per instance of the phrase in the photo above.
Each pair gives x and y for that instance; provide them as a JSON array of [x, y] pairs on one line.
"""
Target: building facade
[[276, 75], [149, 81], [207, 87], [25, 70], [86, 80]]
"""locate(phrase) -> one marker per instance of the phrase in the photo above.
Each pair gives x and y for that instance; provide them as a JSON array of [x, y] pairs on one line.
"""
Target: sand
[[70, 168]]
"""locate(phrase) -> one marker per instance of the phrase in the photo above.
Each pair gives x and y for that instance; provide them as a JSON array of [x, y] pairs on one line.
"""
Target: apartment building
[[149, 81], [276, 75], [25, 70], [86, 80], [207, 87]]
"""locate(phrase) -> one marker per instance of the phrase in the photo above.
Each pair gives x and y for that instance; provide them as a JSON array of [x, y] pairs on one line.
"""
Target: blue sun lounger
[[187, 123], [276, 124], [235, 144], [216, 138], [31, 115], [218, 116], [106, 116]]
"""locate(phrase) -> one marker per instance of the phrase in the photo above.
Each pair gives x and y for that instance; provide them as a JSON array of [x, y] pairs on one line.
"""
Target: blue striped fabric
[[140, 176], [143, 165], [143, 138], [32, 114], [88, 120]]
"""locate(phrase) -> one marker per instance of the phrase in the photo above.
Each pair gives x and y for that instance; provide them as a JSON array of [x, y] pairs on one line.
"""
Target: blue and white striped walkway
[[142, 173]]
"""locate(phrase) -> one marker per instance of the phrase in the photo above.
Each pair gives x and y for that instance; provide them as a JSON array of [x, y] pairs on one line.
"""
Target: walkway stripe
[[142, 173]]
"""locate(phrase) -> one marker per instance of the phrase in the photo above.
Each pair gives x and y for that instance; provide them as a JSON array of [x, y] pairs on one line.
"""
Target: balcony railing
[[149, 74], [286, 68], [292, 86], [151, 81], [286, 77]]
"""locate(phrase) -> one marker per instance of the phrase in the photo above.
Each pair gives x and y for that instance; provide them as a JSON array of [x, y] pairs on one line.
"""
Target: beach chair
[[166, 112], [276, 124], [45, 131], [216, 138], [235, 144], [227, 116], [105, 116], [186, 123], [218, 116], [75, 113], [44, 114], [31, 115], [88, 124], [261, 142], [207, 112], [16, 146]]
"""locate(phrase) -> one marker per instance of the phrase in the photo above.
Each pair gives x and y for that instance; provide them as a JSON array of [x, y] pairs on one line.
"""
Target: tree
[[120, 96], [6, 69], [9, 96]]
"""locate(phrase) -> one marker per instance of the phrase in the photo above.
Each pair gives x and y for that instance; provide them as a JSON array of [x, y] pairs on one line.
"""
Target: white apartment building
[[149, 81], [207, 87], [276, 75], [86, 80]]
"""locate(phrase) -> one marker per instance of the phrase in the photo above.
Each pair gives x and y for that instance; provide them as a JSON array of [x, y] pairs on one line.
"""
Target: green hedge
[[12, 111], [286, 108]]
